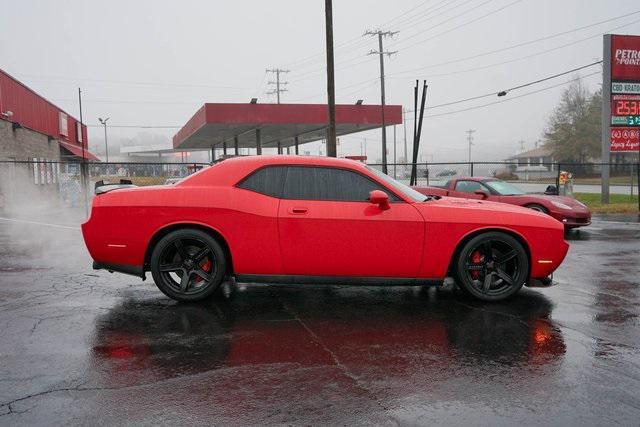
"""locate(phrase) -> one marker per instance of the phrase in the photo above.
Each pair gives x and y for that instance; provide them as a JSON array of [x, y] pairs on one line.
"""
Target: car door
[[328, 227], [465, 188]]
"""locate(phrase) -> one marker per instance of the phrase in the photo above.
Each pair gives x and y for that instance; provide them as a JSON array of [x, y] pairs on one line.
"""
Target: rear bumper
[[545, 282], [133, 270]]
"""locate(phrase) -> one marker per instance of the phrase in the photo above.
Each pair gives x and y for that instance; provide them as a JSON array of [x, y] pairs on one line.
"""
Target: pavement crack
[[336, 360]]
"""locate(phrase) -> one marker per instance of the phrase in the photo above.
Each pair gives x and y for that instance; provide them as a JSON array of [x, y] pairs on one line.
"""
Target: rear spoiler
[[103, 186]]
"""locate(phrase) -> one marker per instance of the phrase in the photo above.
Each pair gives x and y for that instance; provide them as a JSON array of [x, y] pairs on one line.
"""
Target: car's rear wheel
[[492, 266], [538, 208], [188, 265]]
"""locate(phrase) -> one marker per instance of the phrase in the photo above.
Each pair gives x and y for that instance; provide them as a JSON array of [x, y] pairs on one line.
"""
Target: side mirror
[[379, 198], [482, 193]]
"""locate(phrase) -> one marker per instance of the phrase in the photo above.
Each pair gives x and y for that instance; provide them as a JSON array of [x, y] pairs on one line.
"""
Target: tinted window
[[267, 181], [469, 186], [312, 183]]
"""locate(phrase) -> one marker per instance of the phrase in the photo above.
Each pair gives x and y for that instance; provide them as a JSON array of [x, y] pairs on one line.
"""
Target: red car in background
[[569, 211], [294, 219]]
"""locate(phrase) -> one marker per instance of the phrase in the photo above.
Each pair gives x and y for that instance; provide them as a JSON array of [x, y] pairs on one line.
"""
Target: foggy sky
[[156, 62]]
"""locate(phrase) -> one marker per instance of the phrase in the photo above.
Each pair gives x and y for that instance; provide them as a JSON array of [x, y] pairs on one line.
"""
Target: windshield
[[404, 189], [504, 188]]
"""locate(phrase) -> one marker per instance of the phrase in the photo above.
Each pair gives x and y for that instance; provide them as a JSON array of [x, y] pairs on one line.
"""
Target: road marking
[[24, 221]]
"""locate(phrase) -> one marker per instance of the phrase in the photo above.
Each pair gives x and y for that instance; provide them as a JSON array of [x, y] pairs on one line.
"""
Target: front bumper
[[573, 219]]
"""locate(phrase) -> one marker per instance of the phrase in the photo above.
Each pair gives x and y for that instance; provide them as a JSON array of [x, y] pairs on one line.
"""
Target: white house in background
[[539, 162]]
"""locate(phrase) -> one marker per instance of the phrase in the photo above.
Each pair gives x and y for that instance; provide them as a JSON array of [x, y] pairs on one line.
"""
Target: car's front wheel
[[492, 266], [188, 265]]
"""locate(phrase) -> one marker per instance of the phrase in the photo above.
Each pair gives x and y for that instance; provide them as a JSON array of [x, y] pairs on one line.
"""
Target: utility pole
[[332, 147], [278, 83], [404, 122], [521, 146], [106, 146], [470, 133], [382, 53]]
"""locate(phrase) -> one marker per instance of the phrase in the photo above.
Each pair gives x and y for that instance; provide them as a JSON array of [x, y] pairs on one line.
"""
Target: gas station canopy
[[273, 125]]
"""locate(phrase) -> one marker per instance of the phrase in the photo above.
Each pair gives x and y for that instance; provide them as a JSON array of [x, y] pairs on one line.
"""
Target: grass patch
[[618, 203]]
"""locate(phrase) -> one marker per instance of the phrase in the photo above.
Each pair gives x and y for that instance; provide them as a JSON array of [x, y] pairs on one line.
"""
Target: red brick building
[[33, 128]]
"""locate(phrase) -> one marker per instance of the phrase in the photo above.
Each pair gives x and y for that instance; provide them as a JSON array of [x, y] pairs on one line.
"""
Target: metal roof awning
[[214, 124], [77, 151]]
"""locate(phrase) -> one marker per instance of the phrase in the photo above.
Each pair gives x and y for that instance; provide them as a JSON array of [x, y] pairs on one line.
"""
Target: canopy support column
[[297, 142], [224, 147], [258, 142], [235, 144], [279, 148]]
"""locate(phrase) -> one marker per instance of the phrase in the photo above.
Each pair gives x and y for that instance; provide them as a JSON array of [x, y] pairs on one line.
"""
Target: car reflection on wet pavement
[[85, 347]]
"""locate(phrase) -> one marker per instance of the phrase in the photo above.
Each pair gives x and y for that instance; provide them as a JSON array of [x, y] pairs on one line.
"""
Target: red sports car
[[290, 219], [569, 211]]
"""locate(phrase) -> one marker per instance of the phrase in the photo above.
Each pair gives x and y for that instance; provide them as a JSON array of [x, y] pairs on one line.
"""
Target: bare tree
[[573, 131]]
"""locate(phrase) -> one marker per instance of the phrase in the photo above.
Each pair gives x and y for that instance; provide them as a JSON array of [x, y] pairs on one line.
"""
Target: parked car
[[172, 181], [298, 219], [569, 211], [446, 173]]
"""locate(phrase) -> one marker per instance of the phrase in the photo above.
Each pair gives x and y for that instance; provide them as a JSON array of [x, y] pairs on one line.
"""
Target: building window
[[63, 124]]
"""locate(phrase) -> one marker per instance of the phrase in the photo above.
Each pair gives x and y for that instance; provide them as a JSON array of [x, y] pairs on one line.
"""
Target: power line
[[548, 37], [357, 41], [464, 24], [504, 92], [408, 119], [511, 98], [431, 27], [355, 45], [129, 82]]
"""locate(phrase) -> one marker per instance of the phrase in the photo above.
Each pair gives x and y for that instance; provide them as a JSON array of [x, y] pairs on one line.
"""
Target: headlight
[[560, 205]]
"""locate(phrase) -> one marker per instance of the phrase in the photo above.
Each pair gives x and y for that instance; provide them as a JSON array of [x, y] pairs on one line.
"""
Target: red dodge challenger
[[290, 219], [569, 211]]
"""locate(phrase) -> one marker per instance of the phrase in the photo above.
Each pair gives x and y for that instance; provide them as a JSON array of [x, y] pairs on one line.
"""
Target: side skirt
[[337, 280]]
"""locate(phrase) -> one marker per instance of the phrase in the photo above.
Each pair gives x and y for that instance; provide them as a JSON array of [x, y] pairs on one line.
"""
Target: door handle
[[298, 211]]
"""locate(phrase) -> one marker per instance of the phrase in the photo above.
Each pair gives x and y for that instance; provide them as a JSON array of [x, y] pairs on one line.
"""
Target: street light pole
[[106, 146]]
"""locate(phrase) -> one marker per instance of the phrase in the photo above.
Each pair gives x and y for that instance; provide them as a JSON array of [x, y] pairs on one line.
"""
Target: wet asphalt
[[84, 347]]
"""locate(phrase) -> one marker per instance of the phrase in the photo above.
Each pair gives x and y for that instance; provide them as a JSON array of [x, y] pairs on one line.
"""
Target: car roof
[[475, 178], [261, 160], [230, 171]]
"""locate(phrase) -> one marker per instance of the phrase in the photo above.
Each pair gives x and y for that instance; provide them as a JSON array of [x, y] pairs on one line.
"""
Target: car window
[[268, 181], [318, 183], [469, 186]]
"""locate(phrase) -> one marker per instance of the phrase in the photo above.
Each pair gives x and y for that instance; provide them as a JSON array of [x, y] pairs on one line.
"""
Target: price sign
[[625, 139], [625, 108], [625, 120]]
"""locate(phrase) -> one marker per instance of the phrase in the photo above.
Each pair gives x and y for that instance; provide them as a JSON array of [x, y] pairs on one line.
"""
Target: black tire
[[492, 266], [538, 208], [191, 252]]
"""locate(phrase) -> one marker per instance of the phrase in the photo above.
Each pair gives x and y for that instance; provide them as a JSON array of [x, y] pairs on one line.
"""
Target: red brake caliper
[[476, 259], [206, 267]]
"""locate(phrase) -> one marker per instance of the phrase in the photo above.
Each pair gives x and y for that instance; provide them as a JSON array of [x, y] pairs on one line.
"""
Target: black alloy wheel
[[188, 265], [492, 266]]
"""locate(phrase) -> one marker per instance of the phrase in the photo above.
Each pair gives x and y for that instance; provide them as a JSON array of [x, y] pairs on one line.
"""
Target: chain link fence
[[585, 177], [49, 183], [60, 184]]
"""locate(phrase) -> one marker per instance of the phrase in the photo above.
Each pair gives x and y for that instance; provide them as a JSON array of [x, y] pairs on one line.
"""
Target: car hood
[[546, 200], [451, 209]]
